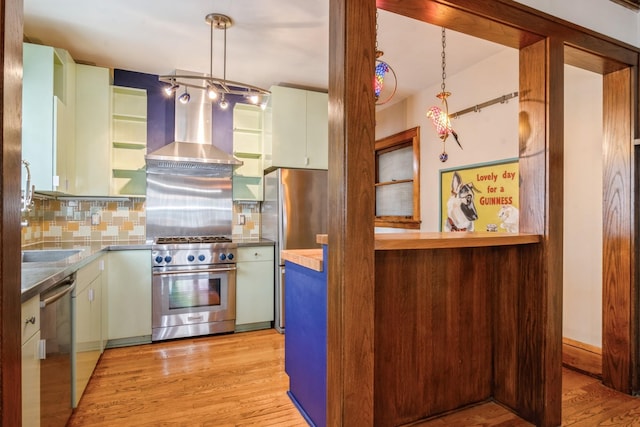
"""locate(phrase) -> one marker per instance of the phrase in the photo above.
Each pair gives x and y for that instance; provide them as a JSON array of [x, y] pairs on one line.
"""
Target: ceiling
[[270, 42]]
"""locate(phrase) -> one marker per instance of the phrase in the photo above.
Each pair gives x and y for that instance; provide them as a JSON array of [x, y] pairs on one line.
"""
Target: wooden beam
[[350, 336], [10, 335], [530, 381], [619, 305], [509, 23]]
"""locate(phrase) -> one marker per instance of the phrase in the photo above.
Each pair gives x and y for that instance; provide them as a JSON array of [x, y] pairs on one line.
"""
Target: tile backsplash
[[247, 220], [85, 221]]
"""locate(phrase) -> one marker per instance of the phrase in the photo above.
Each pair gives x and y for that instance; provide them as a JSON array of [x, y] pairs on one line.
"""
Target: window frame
[[404, 139]]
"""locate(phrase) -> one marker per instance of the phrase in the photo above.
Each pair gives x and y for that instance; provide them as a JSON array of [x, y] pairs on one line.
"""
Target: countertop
[[312, 258], [435, 240], [246, 241], [37, 277], [309, 258]]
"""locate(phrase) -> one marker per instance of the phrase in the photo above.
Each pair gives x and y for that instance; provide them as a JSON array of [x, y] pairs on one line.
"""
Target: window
[[398, 180]]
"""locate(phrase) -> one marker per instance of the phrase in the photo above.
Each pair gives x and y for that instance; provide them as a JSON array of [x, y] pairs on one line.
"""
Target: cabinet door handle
[[42, 349], [31, 320]]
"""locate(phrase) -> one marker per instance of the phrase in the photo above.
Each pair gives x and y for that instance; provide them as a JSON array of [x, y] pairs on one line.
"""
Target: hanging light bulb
[[254, 99], [224, 104], [440, 115], [171, 89], [185, 97], [211, 93]]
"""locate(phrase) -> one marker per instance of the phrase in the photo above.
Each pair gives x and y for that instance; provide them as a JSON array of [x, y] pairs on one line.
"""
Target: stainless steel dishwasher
[[56, 305]]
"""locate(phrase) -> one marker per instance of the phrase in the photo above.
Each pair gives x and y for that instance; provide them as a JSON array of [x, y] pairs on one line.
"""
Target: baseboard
[[125, 342], [253, 326], [582, 357]]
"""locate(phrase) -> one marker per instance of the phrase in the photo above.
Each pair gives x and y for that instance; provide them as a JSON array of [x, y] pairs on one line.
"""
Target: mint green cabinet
[[296, 129], [89, 339], [93, 131], [254, 287], [129, 297], [48, 113], [30, 317]]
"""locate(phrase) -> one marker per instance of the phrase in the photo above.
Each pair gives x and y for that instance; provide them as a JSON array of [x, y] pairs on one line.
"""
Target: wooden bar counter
[[456, 323]]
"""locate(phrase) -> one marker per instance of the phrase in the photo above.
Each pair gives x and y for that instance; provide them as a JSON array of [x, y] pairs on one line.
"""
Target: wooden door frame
[[350, 281], [11, 13]]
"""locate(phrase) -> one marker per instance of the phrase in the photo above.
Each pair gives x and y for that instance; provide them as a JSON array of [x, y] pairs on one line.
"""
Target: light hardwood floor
[[239, 380]]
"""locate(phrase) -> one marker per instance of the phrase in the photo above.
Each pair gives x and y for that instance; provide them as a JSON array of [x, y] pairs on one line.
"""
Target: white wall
[[603, 16], [489, 135], [582, 255]]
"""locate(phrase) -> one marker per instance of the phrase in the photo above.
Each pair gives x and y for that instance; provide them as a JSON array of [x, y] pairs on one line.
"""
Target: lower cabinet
[[129, 297], [254, 288], [31, 362], [89, 337]]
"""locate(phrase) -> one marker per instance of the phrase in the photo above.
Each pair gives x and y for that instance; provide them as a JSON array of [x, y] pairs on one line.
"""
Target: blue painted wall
[[161, 112]]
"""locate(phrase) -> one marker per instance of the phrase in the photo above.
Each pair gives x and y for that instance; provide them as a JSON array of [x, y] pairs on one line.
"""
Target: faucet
[[27, 195]]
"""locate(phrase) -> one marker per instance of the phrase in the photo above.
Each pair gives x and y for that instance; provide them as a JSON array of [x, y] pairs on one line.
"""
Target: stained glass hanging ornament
[[385, 82], [440, 115]]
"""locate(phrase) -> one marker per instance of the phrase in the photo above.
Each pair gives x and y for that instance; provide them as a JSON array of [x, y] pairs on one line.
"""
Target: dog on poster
[[461, 209]]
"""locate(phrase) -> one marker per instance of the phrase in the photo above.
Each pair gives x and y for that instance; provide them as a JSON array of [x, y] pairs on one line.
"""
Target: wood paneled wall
[[433, 333], [11, 89]]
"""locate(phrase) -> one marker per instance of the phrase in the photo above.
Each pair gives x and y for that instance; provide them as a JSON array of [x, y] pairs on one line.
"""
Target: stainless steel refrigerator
[[294, 211]]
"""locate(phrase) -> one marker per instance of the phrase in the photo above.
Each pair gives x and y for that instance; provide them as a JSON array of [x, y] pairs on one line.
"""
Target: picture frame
[[480, 197]]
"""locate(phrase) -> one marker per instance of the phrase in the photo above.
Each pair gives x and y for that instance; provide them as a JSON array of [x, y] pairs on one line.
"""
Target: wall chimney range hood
[[191, 149]]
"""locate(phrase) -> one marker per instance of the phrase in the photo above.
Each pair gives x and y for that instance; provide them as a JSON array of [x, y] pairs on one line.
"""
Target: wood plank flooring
[[239, 380], [225, 380]]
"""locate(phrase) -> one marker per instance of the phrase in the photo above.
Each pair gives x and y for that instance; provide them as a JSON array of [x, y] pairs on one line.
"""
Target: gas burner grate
[[192, 239]]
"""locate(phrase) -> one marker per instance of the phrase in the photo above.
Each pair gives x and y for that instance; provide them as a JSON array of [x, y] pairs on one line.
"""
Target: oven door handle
[[208, 270]]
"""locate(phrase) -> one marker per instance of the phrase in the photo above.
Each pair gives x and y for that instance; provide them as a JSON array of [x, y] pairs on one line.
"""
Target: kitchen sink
[[48, 255]]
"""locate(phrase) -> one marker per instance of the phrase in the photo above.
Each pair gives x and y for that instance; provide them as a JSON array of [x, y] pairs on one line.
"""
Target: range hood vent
[[186, 158]]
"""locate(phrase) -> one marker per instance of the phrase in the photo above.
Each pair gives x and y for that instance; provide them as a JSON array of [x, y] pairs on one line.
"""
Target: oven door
[[191, 295]]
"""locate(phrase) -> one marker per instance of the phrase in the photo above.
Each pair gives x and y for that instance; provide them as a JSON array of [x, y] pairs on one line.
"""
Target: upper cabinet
[[296, 131], [48, 114], [128, 141], [93, 133], [247, 147]]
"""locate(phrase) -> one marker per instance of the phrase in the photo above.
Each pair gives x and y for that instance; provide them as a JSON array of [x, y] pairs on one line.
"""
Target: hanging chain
[[444, 62], [377, 52]]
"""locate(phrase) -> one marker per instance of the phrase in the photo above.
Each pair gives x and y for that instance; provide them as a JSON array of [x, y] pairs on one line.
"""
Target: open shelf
[[128, 141]]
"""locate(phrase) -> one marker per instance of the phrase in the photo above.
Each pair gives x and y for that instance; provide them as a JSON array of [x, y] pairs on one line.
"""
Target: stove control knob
[[222, 257], [158, 259], [190, 258], [167, 259], [201, 257], [230, 257]]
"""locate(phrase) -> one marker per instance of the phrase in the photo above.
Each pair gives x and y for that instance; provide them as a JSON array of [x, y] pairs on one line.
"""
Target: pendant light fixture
[[384, 78], [440, 115], [216, 89]]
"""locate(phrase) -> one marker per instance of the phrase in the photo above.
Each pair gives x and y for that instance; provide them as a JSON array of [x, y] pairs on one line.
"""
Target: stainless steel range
[[193, 287], [189, 209]]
